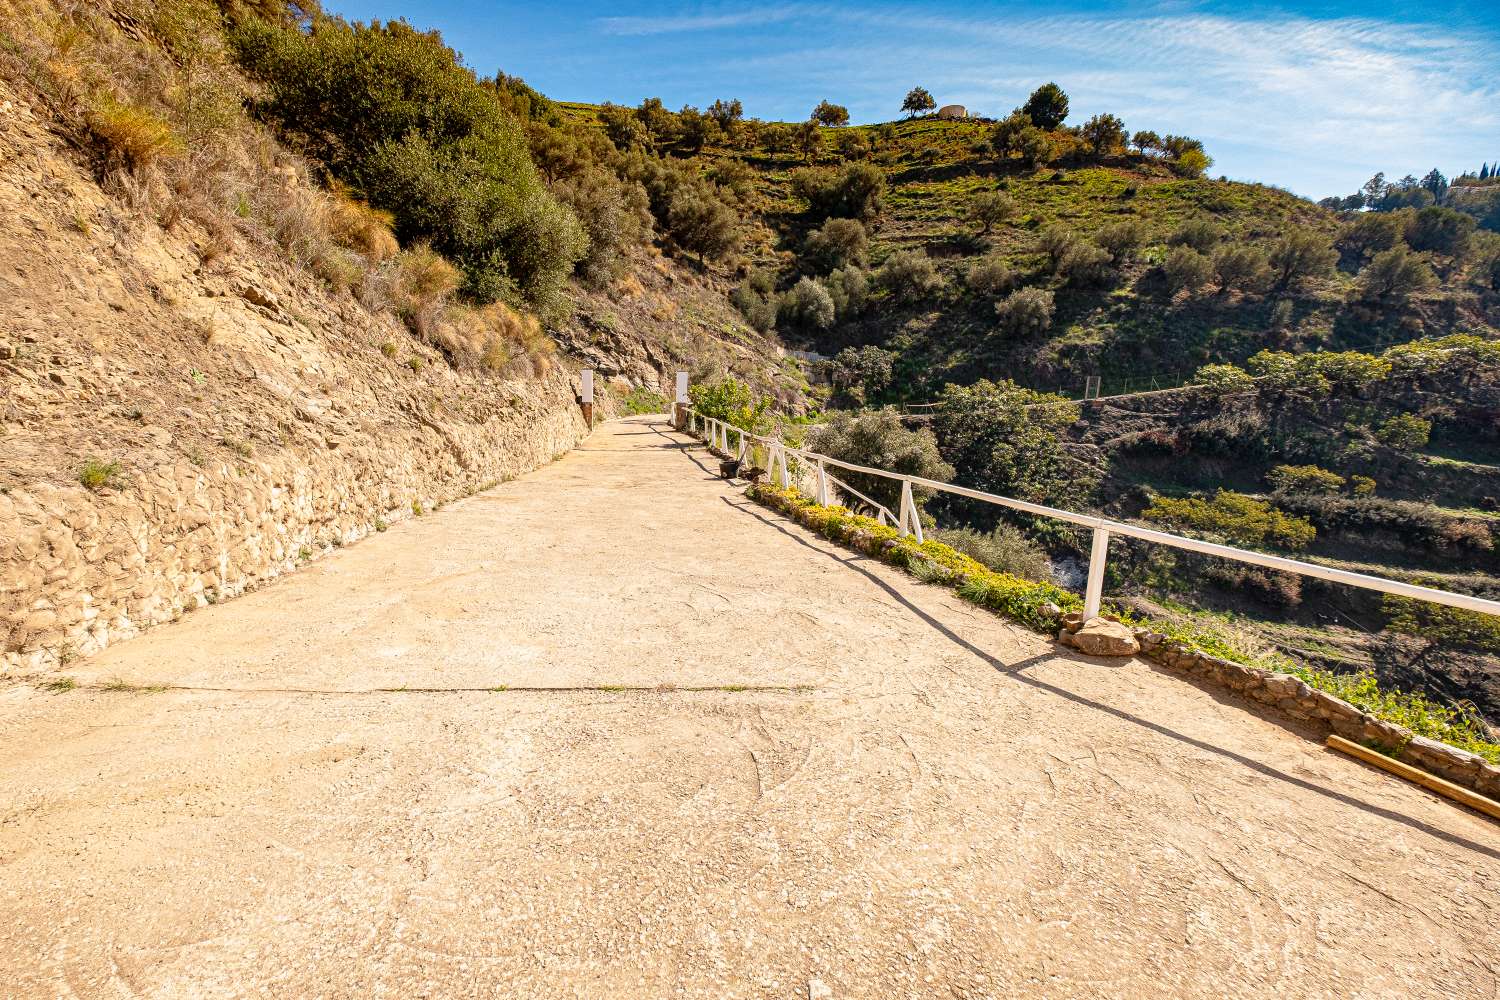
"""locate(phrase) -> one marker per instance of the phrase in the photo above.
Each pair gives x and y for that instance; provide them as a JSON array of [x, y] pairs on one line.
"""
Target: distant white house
[[953, 111]]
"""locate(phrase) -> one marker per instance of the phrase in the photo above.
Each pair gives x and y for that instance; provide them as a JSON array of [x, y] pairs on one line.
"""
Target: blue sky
[[1314, 97]]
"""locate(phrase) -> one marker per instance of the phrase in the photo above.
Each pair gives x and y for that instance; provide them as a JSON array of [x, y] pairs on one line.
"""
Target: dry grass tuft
[[507, 342]]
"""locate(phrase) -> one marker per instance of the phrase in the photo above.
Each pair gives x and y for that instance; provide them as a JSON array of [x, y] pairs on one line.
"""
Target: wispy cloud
[[699, 22]]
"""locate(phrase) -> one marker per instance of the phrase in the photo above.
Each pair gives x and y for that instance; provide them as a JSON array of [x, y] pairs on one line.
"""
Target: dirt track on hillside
[[762, 766]]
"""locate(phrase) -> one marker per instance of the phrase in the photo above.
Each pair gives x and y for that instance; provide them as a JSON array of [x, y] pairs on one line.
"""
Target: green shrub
[[1235, 517], [854, 191], [1394, 276], [990, 209], [1121, 239], [839, 243], [1224, 379], [991, 277], [908, 275], [861, 373], [1362, 486], [878, 440], [1405, 432], [1186, 270], [1025, 311], [807, 307], [98, 475], [1442, 625], [1198, 234], [1304, 479], [731, 401], [849, 288], [1240, 268], [1005, 550], [1001, 438], [392, 112], [643, 400], [1300, 256], [755, 298]]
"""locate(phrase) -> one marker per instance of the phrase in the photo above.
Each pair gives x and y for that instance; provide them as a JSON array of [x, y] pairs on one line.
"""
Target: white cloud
[[698, 22]]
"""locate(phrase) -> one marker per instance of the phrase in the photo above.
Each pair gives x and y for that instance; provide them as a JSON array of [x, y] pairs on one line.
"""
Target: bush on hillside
[[1005, 549], [1004, 439], [1224, 379], [730, 400], [861, 373], [1372, 232], [1121, 239], [755, 298], [849, 287], [1405, 432], [1394, 276], [1235, 517], [1442, 230], [806, 307], [839, 243], [1025, 312], [1200, 234], [908, 275], [1241, 268], [1186, 270], [990, 209], [990, 277], [854, 191], [1047, 106], [1300, 256], [392, 112], [877, 439], [1304, 479]]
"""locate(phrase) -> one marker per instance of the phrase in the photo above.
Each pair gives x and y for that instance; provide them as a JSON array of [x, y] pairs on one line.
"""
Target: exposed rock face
[[238, 418], [1101, 637]]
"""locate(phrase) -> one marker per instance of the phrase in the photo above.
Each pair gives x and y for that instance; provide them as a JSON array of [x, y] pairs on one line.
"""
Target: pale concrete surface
[[929, 803]]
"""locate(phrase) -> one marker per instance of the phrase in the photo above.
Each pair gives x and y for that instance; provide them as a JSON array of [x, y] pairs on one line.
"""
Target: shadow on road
[[1015, 672]]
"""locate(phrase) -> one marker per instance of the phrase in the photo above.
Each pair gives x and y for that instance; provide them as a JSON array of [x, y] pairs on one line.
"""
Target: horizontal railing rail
[[717, 433]]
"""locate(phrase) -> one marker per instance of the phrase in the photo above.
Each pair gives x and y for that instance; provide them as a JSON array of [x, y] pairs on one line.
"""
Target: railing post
[[786, 468], [1093, 594], [910, 522], [822, 485], [679, 407]]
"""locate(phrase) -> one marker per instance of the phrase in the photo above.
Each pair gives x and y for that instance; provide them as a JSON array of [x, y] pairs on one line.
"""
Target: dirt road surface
[[613, 731]]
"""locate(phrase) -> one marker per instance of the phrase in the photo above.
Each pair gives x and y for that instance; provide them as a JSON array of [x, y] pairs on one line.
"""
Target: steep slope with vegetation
[[235, 337]]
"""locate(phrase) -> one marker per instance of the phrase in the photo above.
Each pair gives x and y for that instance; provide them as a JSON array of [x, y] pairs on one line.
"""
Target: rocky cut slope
[[176, 431]]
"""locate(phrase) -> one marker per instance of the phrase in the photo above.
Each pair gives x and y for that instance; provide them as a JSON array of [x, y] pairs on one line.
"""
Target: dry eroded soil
[[610, 730]]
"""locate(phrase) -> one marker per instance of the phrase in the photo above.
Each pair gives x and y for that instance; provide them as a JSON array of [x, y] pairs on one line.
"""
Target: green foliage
[[861, 373], [1442, 625], [643, 400], [1372, 232], [908, 275], [98, 475], [392, 112], [830, 115], [1105, 134], [1005, 550], [839, 243], [1025, 312], [733, 402], [1362, 486], [854, 191], [849, 288], [1047, 106], [1121, 239], [1241, 268], [1300, 256], [1186, 270], [917, 101], [1304, 479], [1001, 438], [1395, 275], [1442, 230], [1224, 379], [755, 298], [878, 440], [991, 277], [1235, 517], [1199, 234], [991, 209], [806, 306], [1405, 432]]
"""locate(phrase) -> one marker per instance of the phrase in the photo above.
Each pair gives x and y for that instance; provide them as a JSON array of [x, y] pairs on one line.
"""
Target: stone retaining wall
[[1292, 697], [81, 569]]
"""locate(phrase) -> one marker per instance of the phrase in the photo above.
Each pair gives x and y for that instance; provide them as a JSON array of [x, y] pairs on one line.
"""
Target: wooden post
[[1093, 594], [1457, 793], [586, 395], [680, 406]]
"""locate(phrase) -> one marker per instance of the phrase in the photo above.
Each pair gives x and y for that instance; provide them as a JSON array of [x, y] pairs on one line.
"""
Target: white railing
[[717, 433]]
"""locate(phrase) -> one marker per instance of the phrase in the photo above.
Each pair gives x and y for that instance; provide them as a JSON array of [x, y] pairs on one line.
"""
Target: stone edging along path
[[1290, 697]]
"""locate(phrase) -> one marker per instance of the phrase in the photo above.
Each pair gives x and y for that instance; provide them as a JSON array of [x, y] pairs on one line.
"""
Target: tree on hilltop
[[830, 115], [1105, 133], [1047, 106], [917, 101]]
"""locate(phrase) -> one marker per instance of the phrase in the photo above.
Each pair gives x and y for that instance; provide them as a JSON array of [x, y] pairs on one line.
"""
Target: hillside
[[219, 366]]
